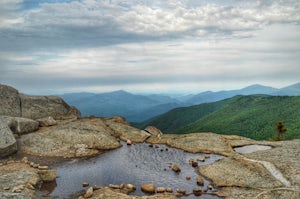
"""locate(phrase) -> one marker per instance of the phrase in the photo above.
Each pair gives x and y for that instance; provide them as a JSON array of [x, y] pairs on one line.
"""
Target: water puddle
[[251, 148], [136, 164]]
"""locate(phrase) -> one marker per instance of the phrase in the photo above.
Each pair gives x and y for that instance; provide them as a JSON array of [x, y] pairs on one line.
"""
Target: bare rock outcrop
[[36, 107], [20, 125], [8, 144], [82, 137], [126, 132], [18, 180], [15, 104], [10, 101]]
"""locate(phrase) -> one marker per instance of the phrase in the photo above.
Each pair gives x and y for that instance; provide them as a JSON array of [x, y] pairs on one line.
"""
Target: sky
[[148, 46]]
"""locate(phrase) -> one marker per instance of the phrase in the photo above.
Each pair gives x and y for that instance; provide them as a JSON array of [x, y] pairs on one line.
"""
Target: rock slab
[[8, 144]]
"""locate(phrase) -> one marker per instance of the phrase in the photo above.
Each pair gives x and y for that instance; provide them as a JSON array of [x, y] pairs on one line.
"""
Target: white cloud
[[163, 44]]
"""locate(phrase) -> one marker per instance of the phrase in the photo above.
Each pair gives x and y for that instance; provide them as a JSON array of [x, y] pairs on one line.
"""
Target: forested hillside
[[250, 116]]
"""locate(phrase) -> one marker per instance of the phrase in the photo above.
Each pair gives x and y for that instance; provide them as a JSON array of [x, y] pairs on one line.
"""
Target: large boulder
[[36, 107], [126, 132], [10, 101], [19, 125], [8, 144]]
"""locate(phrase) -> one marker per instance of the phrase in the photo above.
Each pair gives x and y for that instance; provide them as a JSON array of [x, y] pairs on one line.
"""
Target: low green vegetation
[[253, 116]]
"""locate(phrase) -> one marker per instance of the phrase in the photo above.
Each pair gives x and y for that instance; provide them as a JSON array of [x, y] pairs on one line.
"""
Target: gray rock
[[83, 137], [10, 101], [36, 107], [18, 177], [126, 132], [8, 144], [47, 121], [20, 125], [8, 195], [153, 131]]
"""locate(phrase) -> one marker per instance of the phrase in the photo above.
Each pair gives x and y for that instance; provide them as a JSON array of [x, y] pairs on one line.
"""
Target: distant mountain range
[[138, 108], [252, 116], [293, 90]]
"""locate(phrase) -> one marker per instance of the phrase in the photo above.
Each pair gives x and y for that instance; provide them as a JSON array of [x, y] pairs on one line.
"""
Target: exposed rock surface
[[10, 101], [47, 121], [8, 144], [20, 125], [126, 132], [230, 172], [17, 181], [153, 131], [201, 142], [78, 138], [34, 107]]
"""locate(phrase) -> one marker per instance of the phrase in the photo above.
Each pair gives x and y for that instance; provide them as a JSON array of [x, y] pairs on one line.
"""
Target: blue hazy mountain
[[138, 108], [133, 107]]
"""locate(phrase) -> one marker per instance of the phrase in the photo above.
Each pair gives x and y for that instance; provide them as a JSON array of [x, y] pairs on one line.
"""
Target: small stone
[[210, 187], [89, 193], [161, 150], [169, 190], [36, 166], [148, 188], [156, 146], [201, 158], [113, 186], [130, 186], [80, 197], [191, 161], [34, 181], [122, 186], [176, 168], [200, 181], [187, 177], [197, 192], [194, 164], [6, 188], [150, 145], [25, 160], [31, 164], [181, 191], [96, 187], [85, 184], [30, 186], [160, 189], [129, 142], [43, 167], [207, 156]]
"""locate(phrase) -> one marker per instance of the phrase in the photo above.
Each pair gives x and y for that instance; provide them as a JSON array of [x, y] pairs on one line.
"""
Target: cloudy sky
[[57, 46]]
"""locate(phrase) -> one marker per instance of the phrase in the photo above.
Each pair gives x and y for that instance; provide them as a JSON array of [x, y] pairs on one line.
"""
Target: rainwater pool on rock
[[136, 164]]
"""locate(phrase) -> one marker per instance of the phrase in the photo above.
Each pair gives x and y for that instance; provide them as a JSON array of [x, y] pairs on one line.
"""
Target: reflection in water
[[48, 186], [136, 164]]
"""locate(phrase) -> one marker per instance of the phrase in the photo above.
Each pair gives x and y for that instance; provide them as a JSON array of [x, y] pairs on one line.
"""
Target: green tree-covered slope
[[250, 116], [179, 117]]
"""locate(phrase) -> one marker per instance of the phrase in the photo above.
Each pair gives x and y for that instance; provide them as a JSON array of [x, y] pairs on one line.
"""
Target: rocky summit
[[43, 127]]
